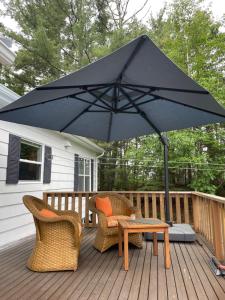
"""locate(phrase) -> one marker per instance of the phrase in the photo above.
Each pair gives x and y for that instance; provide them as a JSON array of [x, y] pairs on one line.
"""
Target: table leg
[[155, 244], [167, 249], [126, 258], [120, 241]]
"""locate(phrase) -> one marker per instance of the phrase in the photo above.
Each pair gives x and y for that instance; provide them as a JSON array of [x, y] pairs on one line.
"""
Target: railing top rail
[[125, 192], [200, 194], [210, 196]]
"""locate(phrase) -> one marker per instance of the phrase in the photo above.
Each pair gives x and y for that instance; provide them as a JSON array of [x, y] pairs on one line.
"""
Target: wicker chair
[[108, 236], [58, 239]]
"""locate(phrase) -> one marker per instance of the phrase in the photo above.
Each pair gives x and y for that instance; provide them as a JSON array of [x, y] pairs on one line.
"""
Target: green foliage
[[191, 38], [60, 36]]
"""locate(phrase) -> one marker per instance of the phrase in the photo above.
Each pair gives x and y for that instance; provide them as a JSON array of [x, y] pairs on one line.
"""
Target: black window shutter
[[76, 172], [13, 163], [47, 165], [92, 175]]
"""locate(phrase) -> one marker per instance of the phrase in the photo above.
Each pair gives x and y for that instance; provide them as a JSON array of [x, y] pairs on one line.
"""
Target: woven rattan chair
[[108, 236], [58, 238]]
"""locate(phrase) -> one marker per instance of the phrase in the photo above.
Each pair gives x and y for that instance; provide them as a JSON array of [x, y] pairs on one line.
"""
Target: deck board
[[101, 276]]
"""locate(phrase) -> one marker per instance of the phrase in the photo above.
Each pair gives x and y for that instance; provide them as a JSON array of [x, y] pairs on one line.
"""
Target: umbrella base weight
[[177, 233]]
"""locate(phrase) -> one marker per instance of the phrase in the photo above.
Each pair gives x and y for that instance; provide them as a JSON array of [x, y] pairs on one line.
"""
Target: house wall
[[15, 221]]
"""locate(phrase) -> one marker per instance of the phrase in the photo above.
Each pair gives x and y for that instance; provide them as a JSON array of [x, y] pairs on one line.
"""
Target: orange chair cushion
[[113, 220], [47, 213], [104, 205]]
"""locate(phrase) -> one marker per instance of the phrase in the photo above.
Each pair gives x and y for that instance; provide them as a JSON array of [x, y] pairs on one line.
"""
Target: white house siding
[[15, 221]]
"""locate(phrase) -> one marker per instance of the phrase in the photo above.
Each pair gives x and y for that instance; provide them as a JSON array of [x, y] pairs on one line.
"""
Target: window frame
[[84, 175], [40, 163]]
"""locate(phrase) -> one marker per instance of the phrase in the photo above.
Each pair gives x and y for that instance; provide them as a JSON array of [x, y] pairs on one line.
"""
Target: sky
[[217, 6]]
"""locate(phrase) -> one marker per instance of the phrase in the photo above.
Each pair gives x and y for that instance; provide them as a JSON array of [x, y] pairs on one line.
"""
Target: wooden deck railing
[[209, 220], [204, 211]]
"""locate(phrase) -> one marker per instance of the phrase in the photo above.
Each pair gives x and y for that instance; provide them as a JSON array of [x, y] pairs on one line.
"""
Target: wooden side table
[[139, 226]]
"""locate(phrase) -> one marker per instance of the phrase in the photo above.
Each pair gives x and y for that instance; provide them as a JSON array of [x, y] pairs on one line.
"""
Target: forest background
[[56, 37]]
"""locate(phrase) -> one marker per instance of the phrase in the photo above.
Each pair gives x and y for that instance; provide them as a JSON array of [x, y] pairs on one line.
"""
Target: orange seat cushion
[[104, 205], [47, 213], [113, 220]]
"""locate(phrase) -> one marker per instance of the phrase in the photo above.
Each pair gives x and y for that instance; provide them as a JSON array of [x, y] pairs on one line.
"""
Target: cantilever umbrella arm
[[164, 141]]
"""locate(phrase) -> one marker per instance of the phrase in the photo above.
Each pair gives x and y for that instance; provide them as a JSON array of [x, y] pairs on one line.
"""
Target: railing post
[[87, 210], [146, 205], [178, 211], [196, 212], [217, 231], [166, 182], [45, 198]]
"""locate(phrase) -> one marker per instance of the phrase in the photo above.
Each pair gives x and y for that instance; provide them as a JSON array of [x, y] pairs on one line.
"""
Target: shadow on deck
[[101, 276]]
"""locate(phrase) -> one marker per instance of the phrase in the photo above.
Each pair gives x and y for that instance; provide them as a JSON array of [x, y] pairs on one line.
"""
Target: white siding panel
[[15, 220], [3, 161], [3, 148], [62, 161], [12, 210], [62, 169], [2, 174], [16, 234], [32, 187], [4, 136], [9, 199], [61, 177]]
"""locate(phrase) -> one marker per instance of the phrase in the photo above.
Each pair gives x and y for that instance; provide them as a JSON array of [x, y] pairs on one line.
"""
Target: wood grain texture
[[101, 276]]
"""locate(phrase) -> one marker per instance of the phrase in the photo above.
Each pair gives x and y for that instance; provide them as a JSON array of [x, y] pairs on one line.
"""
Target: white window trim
[[85, 175], [41, 163]]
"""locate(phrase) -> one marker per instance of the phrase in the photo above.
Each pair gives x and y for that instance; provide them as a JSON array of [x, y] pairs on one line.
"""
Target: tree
[[60, 36], [57, 37], [191, 37]]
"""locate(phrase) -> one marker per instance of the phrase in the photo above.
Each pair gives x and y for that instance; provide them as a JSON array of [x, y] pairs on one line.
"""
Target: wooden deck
[[101, 276]]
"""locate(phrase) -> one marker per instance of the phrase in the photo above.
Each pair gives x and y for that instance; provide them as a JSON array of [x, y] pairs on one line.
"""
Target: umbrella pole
[[164, 141]]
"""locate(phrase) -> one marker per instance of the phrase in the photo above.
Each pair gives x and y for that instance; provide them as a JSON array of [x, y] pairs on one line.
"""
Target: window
[[84, 174], [30, 163]]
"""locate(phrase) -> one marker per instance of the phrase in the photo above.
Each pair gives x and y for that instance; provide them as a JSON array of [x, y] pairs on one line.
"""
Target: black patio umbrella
[[134, 91]]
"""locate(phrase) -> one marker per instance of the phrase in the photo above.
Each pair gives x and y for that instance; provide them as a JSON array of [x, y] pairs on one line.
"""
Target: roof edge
[[7, 96], [7, 56], [83, 141]]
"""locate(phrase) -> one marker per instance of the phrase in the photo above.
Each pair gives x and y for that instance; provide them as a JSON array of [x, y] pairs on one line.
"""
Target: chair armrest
[[102, 221], [63, 218], [75, 220], [136, 211], [73, 214]]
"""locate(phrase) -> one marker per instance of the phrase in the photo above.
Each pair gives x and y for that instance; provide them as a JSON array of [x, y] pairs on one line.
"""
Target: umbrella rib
[[132, 87], [99, 97], [108, 111], [99, 85], [127, 106], [142, 114], [144, 102], [88, 102], [50, 100], [188, 105], [83, 111], [174, 101], [78, 116], [131, 57]]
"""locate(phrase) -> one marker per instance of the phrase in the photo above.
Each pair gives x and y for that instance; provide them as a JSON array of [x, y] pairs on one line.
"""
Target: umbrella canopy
[[134, 91]]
